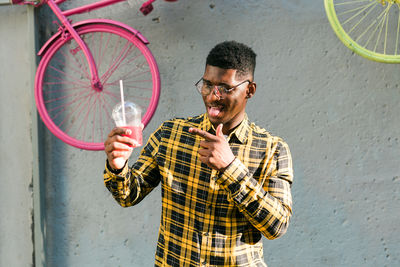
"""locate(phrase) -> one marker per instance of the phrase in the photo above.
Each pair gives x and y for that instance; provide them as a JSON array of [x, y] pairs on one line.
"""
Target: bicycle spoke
[[105, 50], [101, 110], [107, 109], [107, 114], [117, 62], [113, 95], [137, 87], [106, 117], [368, 28], [62, 82], [85, 121], [94, 116], [97, 112], [76, 85], [372, 34], [142, 98], [361, 20], [131, 61], [354, 10], [65, 96], [84, 104], [358, 13], [71, 112], [77, 71], [107, 106], [380, 31], [63, 107], [126, 79], [76, 62], [130, 74], [351, 2], [83, 59], [116, 48], [386, 31], [397, 33], [93, 45], [60, 72]]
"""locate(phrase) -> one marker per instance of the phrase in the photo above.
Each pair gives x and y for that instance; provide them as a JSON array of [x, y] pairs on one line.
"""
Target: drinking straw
[[121, 88]]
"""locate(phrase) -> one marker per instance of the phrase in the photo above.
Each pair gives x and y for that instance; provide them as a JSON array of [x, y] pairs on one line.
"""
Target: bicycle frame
[[85, 8], [68, 28], [62, 16]]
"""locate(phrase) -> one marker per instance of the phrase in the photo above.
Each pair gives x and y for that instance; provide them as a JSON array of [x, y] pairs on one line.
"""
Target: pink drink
[[136, 133]]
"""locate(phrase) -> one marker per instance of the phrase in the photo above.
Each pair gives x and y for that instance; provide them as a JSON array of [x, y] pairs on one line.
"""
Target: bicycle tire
[[370, 28], [74, 112]]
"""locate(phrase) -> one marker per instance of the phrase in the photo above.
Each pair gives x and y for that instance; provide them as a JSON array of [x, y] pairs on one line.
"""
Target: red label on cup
[[136, 133]]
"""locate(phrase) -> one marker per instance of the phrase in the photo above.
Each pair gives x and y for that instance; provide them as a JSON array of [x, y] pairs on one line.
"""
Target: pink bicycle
[[77, 80]]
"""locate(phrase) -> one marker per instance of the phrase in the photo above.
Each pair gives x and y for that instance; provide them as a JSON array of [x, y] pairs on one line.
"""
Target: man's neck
[[227, 129]]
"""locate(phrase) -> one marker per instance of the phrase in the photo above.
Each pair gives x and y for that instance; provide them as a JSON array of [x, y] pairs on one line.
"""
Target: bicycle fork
[[67, 27]]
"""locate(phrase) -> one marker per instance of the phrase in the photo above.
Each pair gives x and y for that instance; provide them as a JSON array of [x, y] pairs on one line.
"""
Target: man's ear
[[251, 89]]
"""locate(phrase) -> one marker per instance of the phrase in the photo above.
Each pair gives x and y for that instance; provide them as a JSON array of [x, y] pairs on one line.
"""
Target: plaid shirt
[[211, 218]]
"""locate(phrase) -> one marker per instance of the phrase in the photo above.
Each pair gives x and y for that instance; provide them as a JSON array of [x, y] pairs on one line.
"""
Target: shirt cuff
[[233, 176], [116, 173]]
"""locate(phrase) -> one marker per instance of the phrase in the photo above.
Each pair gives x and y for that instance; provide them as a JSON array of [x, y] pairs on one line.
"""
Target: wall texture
[[337, 111], [16, 151]]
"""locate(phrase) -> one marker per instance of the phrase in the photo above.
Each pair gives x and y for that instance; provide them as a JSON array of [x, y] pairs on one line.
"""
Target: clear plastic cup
[[132, 121]]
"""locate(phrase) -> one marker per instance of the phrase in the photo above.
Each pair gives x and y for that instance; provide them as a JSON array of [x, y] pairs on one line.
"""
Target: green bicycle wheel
[[370, 28]]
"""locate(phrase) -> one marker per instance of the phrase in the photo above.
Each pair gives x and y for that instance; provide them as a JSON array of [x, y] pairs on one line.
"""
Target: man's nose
[[217, 93]]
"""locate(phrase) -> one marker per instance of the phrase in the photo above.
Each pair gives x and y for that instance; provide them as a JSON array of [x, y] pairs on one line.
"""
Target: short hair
[[233, 55]]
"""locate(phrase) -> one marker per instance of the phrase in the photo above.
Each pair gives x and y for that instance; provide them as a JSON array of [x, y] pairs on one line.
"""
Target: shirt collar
[[206, 125], [241, 132]]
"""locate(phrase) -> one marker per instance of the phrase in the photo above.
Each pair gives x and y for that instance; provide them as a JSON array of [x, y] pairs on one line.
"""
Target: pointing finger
[[204, 134], [218, 131]]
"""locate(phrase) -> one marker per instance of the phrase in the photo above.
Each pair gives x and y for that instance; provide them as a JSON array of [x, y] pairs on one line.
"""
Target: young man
[[225, 181]]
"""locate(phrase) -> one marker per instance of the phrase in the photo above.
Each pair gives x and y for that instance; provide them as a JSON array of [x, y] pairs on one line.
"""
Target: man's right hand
[[118, 148]]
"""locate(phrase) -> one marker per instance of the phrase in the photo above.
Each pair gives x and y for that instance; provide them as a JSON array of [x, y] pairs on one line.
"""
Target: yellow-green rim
[[350, 43]]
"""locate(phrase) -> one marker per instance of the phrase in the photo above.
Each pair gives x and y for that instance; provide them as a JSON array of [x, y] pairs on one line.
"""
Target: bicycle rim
[[75, 112], [370, 28]]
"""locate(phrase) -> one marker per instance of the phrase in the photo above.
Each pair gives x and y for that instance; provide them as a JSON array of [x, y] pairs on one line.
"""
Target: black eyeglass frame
[[219, 87]]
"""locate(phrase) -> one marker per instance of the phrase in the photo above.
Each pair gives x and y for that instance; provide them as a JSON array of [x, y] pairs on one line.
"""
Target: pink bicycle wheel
[[68, 105]]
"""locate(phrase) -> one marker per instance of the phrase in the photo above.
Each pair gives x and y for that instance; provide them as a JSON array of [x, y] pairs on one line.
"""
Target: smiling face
[[231, 109]]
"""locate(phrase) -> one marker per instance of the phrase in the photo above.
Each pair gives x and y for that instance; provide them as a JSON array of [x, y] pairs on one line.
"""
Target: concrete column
[[17, 57]]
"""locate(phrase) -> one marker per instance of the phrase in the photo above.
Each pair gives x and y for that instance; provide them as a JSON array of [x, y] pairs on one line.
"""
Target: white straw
[[121, 87]]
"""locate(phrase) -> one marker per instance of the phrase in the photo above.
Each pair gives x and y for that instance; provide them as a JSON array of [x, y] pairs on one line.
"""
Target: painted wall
[[16, 150], [337, 111]]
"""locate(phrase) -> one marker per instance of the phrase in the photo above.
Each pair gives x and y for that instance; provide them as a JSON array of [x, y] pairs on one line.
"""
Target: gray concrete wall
[[337, 111], [16, 129]]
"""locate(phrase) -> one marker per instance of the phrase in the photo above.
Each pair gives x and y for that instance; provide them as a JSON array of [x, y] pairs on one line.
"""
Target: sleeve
[[266, 204], [131, 185]]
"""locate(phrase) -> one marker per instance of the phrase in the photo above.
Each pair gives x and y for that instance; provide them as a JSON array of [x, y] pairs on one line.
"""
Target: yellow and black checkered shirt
[[211, 218]]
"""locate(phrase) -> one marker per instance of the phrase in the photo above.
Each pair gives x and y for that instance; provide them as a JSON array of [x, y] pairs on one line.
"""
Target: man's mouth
[[214, 111]]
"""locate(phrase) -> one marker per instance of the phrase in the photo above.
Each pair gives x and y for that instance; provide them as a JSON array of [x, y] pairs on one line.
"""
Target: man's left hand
[[214, 150]]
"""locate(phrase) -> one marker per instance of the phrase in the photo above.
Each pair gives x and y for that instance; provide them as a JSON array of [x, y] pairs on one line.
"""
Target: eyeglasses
[[204, 87]]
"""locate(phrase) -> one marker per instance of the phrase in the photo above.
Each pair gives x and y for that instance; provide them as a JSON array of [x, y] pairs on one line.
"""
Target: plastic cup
[[132, 120]]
